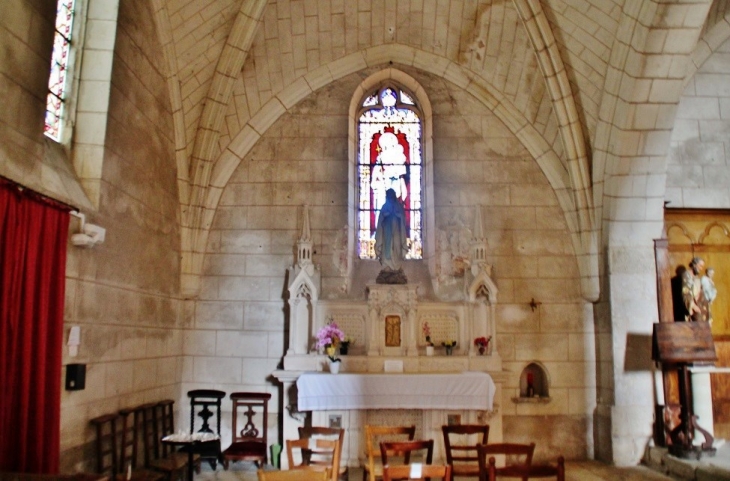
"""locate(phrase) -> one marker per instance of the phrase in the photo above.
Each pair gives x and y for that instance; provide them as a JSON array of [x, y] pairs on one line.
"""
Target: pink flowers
[[329, 336], [427, 333]]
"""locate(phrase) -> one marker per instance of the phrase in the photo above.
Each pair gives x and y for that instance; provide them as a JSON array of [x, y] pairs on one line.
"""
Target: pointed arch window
[[389, 157], [58, 81]]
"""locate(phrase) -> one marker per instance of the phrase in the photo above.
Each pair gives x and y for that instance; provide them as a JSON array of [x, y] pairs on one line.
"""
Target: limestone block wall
[[124, 293], [697, 172], [239, 329]]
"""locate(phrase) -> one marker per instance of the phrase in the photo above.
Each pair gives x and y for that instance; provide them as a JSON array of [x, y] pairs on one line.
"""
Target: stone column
[[625, 316], [292, 418]]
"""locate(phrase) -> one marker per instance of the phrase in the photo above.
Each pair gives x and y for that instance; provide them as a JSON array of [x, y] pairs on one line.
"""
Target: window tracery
[[389, 157]]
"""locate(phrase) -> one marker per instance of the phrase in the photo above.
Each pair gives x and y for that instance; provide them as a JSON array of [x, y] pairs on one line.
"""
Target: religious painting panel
[[392, 331]]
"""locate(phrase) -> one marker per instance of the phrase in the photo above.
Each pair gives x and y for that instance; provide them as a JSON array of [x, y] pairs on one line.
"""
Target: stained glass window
[[389, 157], [59, 68]]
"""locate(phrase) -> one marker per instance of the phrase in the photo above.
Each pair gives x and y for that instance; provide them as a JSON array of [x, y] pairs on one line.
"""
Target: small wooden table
[[191, 443]]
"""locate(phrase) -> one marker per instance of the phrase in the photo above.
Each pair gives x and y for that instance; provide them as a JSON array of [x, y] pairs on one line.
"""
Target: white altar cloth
[[320, 391]]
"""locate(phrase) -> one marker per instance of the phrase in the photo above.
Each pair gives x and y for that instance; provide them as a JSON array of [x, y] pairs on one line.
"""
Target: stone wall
[[240, 328], [124, 293], [697, 173]]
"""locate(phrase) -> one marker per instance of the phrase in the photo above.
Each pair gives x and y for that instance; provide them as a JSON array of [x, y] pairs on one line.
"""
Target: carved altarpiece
[[368, 322]]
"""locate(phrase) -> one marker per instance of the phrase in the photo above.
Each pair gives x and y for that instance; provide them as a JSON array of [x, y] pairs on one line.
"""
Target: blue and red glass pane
[[59, 66], [389, 157]]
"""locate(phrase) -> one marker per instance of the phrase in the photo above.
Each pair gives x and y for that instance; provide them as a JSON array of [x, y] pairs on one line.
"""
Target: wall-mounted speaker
[[75, 377]]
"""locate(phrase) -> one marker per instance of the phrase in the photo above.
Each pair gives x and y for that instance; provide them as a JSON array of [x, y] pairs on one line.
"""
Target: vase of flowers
[[427, 335], [449, 345], [482, 343], [335, 366], [329, 339]]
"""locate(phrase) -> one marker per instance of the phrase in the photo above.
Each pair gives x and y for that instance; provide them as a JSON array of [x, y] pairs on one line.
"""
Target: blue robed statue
[[391, 236]]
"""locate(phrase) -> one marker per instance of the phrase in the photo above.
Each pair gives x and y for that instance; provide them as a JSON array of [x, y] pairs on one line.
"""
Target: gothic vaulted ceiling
[[543, 67]]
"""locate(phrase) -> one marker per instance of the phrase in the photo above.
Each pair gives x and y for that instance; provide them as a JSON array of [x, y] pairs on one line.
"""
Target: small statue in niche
[[391, 240], [695, 303]]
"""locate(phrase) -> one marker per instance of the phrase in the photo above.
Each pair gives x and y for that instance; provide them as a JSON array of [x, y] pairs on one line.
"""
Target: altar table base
[[318, 391]]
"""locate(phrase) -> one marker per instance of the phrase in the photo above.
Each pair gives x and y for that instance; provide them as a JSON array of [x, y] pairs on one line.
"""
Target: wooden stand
[[676, 345]]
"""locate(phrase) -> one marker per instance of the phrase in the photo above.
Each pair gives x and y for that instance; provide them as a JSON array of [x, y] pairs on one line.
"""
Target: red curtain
[[33, 238]]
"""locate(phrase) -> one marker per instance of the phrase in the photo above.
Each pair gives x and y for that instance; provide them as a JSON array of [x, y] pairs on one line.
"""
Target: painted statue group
[[698, 291]]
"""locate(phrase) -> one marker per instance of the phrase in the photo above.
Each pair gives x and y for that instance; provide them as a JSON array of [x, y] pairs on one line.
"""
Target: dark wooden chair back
[[107, 444], [158, 455], [405, 449], [132, 442], [148, 431], [206, 404], [324, 457], [534, 471], [249, 441], [165, 413], [460, 445], [518, 458], [427, 471]]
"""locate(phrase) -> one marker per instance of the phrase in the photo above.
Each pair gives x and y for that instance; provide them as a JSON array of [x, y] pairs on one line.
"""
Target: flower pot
[[449, 350], [334, 367], [482, 350], [429, 350], [344, 346]]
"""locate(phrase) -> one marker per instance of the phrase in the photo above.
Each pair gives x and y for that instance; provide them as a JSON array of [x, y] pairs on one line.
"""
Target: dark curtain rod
[[37, 195]]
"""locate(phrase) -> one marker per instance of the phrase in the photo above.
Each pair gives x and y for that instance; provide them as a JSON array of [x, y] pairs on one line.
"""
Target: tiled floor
[[574, 471]]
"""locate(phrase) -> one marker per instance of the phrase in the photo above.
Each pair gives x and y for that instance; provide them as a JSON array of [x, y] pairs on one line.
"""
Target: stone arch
[[631, 142], [611, 177], [499, 105], [164, 33], [571, 130]]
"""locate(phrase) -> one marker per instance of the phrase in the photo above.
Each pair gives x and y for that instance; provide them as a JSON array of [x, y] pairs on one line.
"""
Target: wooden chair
[[519, 458], [173, 464], [300, 449], [295, 475], [130, 437], [164, 419], [462, 455], [201, 402], [326, 458], [423, 449], [533, 471], [373, 468], [248, 443], [427, 471], [107, 444]]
